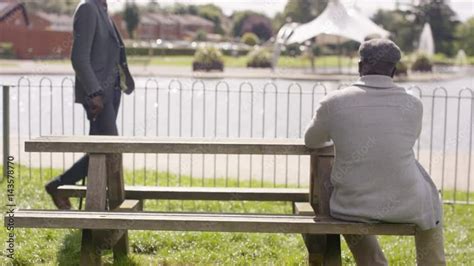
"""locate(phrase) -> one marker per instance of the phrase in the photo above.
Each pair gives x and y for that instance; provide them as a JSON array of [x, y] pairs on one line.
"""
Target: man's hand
[[96, 106]]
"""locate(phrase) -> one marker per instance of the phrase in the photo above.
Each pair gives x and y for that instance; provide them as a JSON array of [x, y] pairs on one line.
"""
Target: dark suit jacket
[[97, 53]]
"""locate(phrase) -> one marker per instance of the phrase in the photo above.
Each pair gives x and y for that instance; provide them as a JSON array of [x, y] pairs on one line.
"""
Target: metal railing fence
[[218, 109]]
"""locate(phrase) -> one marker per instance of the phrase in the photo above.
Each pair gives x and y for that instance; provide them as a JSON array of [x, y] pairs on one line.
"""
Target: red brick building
[[34, 36], [155, 26]]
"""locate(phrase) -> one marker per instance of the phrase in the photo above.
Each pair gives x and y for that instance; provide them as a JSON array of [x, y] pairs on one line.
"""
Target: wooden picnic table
[[108, 215]]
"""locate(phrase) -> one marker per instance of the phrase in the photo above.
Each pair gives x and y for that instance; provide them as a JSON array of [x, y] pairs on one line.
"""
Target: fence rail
[[219, 109]]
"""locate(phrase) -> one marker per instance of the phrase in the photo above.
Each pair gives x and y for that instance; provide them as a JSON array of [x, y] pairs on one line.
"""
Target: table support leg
[[116, 195], [95, 201], [323, 249]]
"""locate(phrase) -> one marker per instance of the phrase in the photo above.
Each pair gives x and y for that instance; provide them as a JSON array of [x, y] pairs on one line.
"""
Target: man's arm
[[85, 21], [317, 133]]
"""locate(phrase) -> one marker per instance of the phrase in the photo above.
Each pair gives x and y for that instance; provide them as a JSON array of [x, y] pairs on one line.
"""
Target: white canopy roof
[[337, 20]]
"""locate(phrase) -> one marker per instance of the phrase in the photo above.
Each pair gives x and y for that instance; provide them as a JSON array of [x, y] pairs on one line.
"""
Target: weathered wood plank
[[258, 223], [90, 253], [303, 208], [117, 144], [202, 193], [96, 183], [96, 200], [113, 238], [115, 182], [322, 249], [120, 248]]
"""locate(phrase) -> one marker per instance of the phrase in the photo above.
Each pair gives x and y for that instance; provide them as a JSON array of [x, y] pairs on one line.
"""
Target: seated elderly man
[[374, 124]]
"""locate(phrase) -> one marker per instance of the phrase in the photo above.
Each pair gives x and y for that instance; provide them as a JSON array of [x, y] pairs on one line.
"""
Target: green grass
[[52, 247]]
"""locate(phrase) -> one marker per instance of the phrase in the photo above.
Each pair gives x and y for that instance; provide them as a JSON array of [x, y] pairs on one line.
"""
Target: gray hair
[[379, 50]]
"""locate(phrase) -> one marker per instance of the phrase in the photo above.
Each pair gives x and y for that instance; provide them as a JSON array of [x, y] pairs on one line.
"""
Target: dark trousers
[[105, 124]]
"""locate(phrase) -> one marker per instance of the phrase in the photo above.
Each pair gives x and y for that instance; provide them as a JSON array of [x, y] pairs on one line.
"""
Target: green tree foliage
[[249, 21], [183, 9], [304, 10], [131, 15], [443, 22], [209, 11], [213, 13], [52, 6], [278, 21], [401, 24], [465, 35], [201, 36], [152, 6]]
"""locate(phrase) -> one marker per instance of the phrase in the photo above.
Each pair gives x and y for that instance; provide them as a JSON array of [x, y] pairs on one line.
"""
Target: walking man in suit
[[99, 61], [374, 125]]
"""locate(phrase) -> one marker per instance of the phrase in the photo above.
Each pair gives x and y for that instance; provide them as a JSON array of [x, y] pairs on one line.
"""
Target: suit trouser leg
[[105, 124], [430, 247], [366, 250]]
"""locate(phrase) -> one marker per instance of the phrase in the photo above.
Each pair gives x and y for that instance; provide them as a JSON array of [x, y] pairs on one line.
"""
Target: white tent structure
[[426, 45], [340, 21]]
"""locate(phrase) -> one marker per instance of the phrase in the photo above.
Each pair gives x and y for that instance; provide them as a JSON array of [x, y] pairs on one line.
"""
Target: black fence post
[[6, 130]]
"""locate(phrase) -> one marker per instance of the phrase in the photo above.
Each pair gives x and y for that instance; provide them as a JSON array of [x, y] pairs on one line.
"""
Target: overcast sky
[[464, 8]]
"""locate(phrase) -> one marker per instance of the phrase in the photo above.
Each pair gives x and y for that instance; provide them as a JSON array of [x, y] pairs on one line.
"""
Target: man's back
[[374, 125]]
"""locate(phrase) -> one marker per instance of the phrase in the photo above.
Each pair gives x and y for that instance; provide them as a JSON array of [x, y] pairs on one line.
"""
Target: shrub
[[402, 69], [250, 39], [260, 57], [208, 58], [6, 50], [292, 50], [422, 64], [201, 36]]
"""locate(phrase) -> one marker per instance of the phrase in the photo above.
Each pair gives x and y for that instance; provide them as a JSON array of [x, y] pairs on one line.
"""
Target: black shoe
[[61, 203]]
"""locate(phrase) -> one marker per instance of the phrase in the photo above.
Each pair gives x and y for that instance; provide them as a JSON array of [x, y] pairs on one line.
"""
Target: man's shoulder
[[86, 6], [339, 94]]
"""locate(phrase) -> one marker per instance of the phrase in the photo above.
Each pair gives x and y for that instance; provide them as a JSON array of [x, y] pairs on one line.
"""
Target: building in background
[[155, 26], [40, 35], [34, 36]]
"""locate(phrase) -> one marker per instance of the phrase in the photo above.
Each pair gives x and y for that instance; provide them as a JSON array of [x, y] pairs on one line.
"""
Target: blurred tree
[[443, 22], [278, 21], [258, 24], [152, 6], [404, 32], [179, 9], [465, 36], [201, 36], [214, 14], [131, 15], [303, 11], [183, 9], [52, 6], [249, 21], [209, 11]]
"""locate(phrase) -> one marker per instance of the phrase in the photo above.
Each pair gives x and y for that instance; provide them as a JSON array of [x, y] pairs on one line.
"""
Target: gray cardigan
[[374, 125]]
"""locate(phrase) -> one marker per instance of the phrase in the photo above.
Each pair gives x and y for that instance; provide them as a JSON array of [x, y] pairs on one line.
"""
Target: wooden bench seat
[[202, 193], [209, 222], [106, 191]]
